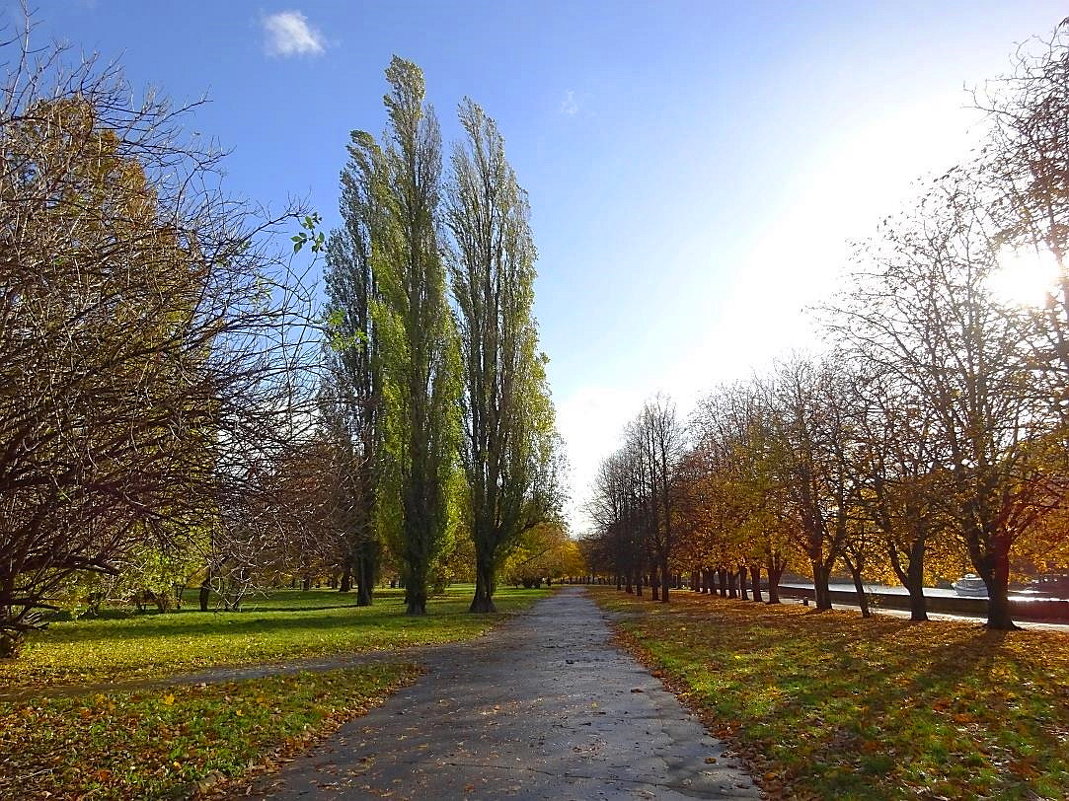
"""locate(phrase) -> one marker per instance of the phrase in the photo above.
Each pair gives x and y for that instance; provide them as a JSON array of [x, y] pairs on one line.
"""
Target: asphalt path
[[544, 707]]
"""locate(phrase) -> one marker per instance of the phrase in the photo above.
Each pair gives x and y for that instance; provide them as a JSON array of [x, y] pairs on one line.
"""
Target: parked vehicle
[[971, 586]]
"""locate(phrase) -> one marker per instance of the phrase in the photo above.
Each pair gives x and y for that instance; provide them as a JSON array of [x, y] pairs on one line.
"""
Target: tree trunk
[[722, 580], [416, 594], [821, 591], [365, 579], [11, 637], [347, 576], [733, 584], [998, 611], [918, 604], [775, 572], [859, 586], [742, 583], [205, 594], [912, 576], [484, 584], [997, 580], [666, 580], [755, 582]]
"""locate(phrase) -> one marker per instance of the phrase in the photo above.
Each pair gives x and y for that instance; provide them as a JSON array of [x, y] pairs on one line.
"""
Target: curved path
[[544, 707]]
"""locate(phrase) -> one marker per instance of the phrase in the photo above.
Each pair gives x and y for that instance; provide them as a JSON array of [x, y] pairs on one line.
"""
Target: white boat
[[971, 586]]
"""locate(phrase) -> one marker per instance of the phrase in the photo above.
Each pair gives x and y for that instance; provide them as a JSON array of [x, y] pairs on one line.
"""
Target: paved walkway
[[544, 707]]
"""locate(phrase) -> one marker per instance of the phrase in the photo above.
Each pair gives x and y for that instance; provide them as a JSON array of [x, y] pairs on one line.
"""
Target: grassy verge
[[833, 706], [171, 743], [286, 625]]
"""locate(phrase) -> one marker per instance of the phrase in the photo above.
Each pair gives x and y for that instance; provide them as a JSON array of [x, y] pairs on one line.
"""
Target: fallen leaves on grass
[[154, 745], [834, 706], [154, 645]]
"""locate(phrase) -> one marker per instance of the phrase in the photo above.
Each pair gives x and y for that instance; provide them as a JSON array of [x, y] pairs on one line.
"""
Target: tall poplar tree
[[354, 393], [416, 334], [508, 430]]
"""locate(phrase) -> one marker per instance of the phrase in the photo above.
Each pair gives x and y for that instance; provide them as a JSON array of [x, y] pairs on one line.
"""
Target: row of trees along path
[[928, 439]]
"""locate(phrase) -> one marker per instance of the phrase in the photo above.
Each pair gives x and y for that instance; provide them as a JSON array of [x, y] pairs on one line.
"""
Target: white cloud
[[289, 34], [569, 105]]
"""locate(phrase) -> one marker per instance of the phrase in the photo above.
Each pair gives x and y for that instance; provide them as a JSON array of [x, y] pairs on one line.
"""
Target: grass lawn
[[165, 744], [832, 706], [171, 742], [287, 624]]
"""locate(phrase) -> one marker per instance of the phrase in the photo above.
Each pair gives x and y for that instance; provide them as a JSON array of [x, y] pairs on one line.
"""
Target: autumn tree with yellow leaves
[[147, 337]]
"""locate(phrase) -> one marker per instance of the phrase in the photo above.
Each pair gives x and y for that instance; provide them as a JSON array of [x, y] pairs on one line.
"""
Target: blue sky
[[694, 168]]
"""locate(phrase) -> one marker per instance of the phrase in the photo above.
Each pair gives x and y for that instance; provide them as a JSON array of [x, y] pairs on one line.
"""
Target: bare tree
[[920, 312], [656, 445], [616, 511], [809, 422], [148, 335]]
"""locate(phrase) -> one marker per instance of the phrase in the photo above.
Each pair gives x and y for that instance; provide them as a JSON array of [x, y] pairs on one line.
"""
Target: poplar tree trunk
[[484, 584], [365, 579]]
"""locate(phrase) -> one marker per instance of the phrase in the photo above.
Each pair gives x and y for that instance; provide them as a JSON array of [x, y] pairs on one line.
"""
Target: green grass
[[165, 744], [831, 706], [286, 625]]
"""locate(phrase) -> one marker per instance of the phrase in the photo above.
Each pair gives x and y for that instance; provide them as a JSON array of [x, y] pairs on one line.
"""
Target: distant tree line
[[929, 439]]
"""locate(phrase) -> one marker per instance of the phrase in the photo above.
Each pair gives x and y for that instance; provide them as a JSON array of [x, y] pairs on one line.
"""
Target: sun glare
[[1024, 277]]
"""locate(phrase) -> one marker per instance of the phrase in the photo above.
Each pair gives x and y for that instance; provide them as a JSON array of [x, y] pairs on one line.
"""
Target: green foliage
[[148, 574], [170, 743], [309, 236], [418, 342], [542, 552], [507, 447]]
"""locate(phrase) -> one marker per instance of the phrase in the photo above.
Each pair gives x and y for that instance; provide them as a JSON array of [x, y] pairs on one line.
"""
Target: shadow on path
[[544, 707]]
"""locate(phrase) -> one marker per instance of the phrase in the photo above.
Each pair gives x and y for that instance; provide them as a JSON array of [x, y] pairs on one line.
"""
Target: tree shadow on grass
[[867, 708], [252, 622]]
